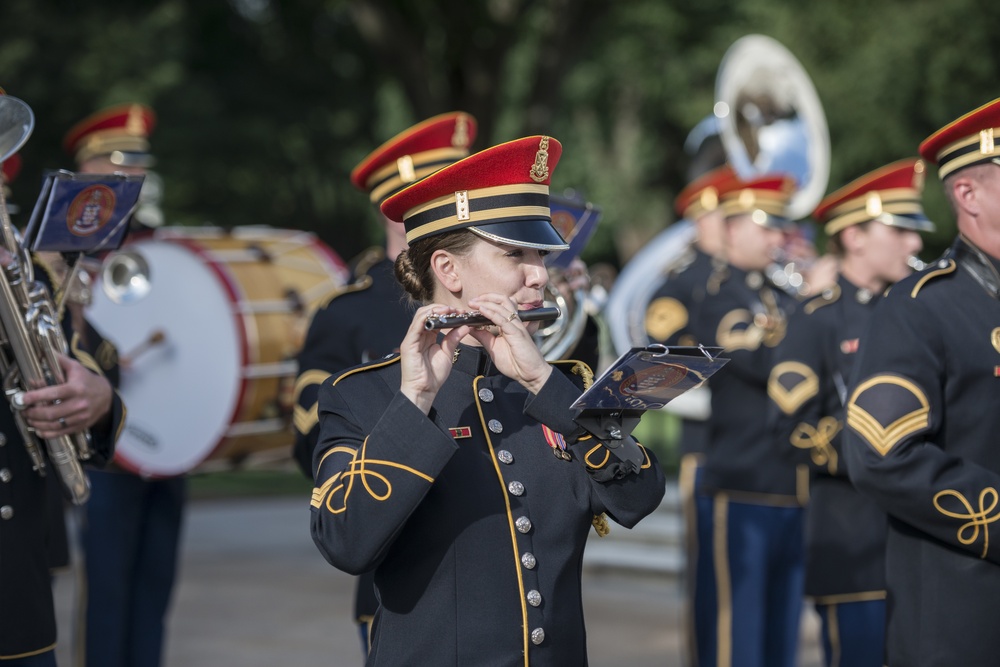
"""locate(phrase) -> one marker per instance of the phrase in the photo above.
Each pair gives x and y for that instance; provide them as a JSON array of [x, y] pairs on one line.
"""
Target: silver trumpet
[[476, 319], [31, 338]]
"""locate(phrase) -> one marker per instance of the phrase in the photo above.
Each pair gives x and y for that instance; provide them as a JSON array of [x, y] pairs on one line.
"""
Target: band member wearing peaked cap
[[86, 400], [455, 469], [872, 227], [131, 528], [671, 313], [923, 417], [369, 318], [748, 585]]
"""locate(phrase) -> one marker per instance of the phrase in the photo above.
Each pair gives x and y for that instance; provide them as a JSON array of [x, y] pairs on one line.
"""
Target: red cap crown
[[884, 194], [765, 199], [500, 193], [121, 132], [414, 154], [702, 194], [966, 141]]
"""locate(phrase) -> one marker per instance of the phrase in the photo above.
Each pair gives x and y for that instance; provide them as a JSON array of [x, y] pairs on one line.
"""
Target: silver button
[[5, 475], [3, 439], [495, 426], [486, 395], [523, 524], [537, 636], [534, 598], [516, 488], [528, 560], [6, 512], [505, 456]]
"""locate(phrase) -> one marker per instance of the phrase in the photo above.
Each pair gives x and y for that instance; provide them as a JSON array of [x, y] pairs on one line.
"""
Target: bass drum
[[208, 354]]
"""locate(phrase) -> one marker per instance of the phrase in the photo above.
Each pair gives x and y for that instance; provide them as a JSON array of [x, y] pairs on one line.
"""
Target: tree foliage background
[[264, 106]]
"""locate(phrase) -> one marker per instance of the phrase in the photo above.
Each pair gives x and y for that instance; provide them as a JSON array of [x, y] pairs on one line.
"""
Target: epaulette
[[362, 280], [942, 268], [825, 298], [370, 366]]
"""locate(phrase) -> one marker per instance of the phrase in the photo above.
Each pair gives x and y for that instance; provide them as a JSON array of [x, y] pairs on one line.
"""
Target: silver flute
[[475, 318]]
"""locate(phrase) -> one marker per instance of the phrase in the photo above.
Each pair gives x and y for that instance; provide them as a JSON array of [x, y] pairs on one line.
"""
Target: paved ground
[[254, 592]]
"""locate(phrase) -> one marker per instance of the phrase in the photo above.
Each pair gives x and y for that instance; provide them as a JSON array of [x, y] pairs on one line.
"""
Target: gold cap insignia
[[540, 169]]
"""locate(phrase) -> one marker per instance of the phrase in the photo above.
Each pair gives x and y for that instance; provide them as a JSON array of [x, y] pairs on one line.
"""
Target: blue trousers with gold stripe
[[853, 633], [130, 540], [749, 583]]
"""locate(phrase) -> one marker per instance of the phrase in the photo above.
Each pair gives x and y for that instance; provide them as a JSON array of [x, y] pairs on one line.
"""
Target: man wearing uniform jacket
[[924, 414], [749, 515], [872, 227], [85, 400]]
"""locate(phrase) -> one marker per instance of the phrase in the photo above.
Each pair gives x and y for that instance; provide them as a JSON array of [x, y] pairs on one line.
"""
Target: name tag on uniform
[[459, 432]]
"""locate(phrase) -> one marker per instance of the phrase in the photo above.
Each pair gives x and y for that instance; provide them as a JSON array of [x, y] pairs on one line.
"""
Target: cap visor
[[127, 159], [918, 223], [769, 220], [538, 234]]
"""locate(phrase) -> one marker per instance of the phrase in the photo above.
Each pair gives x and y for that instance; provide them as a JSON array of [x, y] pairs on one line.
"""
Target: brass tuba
[[769, 118], [31, 338]]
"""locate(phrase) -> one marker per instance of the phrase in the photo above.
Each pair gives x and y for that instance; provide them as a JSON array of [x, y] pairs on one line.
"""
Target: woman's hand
[[80, 402], [425, 363], [511, 347]]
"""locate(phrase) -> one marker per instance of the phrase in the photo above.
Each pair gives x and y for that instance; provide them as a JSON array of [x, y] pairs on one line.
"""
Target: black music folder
[[644, 378]]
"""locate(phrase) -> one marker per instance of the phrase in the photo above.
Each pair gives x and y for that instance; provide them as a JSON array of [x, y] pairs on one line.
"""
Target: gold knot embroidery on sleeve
[[337, 490], [819, 441], [968, 532]]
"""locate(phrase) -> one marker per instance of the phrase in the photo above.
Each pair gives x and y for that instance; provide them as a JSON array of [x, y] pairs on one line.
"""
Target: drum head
[[180, 394]]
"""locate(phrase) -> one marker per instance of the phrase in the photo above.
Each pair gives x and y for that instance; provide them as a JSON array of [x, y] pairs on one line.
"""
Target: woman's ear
[[445, 268], [852, 238]]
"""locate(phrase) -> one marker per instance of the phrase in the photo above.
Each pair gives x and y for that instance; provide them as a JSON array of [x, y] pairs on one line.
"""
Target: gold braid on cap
[[540, 169]]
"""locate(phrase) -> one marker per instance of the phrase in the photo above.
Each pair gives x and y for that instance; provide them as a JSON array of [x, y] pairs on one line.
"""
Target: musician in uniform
[[455, 469], [872, 226], [368, 319], [748, 582], [131, 527], [923, 417], [86, 400], [669, 316]]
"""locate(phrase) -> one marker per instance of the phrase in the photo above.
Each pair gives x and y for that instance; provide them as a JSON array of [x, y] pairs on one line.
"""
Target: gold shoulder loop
[[368, 367], [366, 260], [945, 270], [362, 280], [824, 298], [583, 370], [600, 523]]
